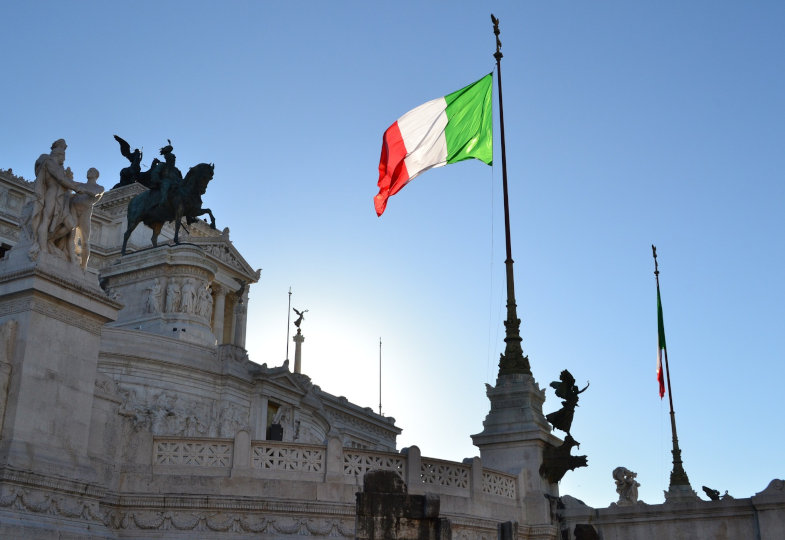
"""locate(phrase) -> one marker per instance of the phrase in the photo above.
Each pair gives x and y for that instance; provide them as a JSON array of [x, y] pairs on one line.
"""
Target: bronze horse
[[182, 200]]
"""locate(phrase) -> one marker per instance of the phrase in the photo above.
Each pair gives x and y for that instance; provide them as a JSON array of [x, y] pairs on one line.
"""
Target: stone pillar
[[230, 303], [298, 341], [334, 460], [259, 416], [333, 488], [414, 469], [385, 511], [218, 312], [513, 439], [476, 478], [59, 312], [7, 344]]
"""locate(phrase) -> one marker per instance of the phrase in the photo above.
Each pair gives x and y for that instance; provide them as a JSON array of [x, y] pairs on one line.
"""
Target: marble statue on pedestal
[[626, 486], [56, 211], [81, 207]]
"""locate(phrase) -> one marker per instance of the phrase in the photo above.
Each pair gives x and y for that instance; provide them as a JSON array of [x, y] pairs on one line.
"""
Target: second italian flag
[[445, 130]]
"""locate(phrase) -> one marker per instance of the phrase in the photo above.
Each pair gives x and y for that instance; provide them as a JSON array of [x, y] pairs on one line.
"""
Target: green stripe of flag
[[469, 131], [660, 324]]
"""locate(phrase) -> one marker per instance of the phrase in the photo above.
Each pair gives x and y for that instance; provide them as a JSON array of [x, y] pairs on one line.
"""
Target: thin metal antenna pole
[[380, 376], [288, 323]]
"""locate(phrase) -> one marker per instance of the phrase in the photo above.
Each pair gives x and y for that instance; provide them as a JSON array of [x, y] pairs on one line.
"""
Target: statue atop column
[[298, 340], [300, 318]]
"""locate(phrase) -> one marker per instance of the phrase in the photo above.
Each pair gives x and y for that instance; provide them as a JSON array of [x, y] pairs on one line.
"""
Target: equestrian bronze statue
[[170, 198]]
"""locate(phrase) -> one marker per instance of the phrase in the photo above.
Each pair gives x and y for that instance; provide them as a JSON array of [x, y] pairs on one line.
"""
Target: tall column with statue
[[298, 341]]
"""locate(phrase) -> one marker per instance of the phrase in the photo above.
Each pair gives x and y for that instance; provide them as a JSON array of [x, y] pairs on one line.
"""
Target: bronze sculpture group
[[170, 197]]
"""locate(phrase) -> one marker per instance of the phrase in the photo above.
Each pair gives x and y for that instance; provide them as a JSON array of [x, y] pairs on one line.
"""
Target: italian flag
[[445, 130], [660, 344]]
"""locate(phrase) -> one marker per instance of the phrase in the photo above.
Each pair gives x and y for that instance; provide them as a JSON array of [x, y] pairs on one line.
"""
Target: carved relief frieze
[[31, 500], [107, 388], [169, 414], [234, 522], [26, 494], [132, 276]]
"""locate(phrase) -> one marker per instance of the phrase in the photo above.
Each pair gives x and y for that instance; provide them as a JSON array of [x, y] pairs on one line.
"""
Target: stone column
[[298, 341], [218, 312]]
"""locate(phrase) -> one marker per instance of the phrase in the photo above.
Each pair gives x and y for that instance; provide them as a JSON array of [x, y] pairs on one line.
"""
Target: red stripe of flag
[[392, 168]]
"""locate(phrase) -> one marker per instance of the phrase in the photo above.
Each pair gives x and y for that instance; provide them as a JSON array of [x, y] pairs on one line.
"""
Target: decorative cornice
[[39, 271], [10, 176], [32, 480], [52, 311]]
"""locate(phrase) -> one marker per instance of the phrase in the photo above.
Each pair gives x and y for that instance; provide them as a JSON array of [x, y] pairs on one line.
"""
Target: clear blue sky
[[627, 124]]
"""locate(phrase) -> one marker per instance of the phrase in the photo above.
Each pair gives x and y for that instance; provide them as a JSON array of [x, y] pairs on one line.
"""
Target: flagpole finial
[[654, 254], [495, 21]]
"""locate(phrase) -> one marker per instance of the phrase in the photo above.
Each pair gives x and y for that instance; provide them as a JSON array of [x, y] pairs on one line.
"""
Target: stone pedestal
[[514, 436], [56, 310], [165, 291]]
